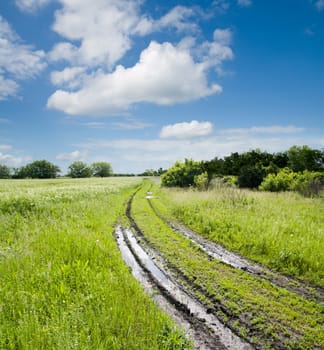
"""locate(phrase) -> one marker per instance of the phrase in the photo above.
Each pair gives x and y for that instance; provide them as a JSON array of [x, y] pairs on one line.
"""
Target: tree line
[[299, 168], [43, 169]]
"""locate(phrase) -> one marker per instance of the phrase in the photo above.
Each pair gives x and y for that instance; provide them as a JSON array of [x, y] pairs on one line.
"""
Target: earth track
[[200, 327], [218, 252]]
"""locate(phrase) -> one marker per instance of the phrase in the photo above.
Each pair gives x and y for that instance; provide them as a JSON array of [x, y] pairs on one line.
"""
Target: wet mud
[[203, 327]]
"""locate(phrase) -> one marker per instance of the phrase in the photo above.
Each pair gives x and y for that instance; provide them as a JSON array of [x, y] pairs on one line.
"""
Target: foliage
[[246, 303], [308, 183], [250, 176], [201, 181], [62, 277], [302, 158], [281, 181], [101, 169], [79, 169], [39, 169], [182, 174], [5, 172]]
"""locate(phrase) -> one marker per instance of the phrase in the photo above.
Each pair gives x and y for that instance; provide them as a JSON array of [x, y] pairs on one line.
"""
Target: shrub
[[281, 181]]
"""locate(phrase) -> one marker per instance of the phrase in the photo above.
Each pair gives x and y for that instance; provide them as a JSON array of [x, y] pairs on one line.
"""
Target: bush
[[201, 181], [182, 174], [308, 183], [282, 181]]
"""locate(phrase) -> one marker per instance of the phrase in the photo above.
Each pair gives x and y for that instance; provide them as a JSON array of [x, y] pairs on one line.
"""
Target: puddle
[[150, 275]]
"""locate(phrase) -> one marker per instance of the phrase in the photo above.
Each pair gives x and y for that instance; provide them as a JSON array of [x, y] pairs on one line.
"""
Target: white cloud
[[165, 75], [8, 88], [31, 5], [11, 160], [244, 3], [136, 155], [70, 77], [177, 18], [186, 130], [103, 28], [17, 61], [72, 156]]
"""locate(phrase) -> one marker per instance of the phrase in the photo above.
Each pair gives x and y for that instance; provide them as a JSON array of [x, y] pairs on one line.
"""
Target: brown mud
[[204, 328]]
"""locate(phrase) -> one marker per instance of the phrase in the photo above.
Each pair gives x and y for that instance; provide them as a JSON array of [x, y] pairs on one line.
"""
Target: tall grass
[[63, 284], [284, 231], [268, 316]]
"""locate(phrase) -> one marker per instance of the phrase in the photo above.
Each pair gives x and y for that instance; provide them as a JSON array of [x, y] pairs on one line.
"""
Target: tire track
[[207, 332], [229, 258]]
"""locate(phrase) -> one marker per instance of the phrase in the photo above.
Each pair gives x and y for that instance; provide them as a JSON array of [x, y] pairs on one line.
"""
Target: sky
[[141, 83]]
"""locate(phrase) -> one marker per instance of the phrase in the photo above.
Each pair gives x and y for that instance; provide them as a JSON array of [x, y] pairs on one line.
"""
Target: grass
[[283, 231], [259, 311], [63, 284]]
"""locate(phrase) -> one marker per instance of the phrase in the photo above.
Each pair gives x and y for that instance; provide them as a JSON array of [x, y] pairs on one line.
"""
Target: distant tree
[[101, 169], [39, 169], [79, 169], [5, 172], [302, 158]]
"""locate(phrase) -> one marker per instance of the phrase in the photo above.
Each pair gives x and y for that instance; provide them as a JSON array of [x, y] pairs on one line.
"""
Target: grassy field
[[284, 231], [266, 315], [63, 284]]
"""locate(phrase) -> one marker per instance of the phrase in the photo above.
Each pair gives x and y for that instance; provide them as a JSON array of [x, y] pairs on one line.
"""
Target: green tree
[[250, 176], [79, 169], [182, 174], [101, 169], [39, 169], [302, 158], [5, 172]]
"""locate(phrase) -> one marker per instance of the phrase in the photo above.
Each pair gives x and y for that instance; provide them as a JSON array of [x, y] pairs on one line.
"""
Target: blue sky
[[141, 84]]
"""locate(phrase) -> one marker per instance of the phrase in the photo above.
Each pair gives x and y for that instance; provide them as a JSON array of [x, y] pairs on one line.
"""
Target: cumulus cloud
[[31, 6], [186, 130], [98, 34], [70, 76], [165, 75], [103, 28], [72, 156], [18, 61]]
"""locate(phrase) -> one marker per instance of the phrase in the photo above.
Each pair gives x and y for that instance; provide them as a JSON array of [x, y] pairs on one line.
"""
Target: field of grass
[[266, 315], [283, 231], [63, 283]]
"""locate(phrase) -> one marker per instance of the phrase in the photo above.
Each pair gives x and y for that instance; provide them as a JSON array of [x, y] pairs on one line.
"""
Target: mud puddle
[[206, 331], [218, 252]]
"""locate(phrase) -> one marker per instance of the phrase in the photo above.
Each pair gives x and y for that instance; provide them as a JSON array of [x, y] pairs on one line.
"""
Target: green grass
[[256, 309], [283, 231], [63, 284]]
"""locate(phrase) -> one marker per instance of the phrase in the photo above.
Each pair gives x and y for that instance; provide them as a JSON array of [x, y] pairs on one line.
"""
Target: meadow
[[284, 231], [266, 315], [63, 283]]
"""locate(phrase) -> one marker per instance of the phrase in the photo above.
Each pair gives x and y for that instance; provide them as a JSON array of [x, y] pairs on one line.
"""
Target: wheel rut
[[216, 251], [204, 328]]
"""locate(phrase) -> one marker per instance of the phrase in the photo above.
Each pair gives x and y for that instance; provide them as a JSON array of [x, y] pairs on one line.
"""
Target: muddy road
[[209, 321]]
